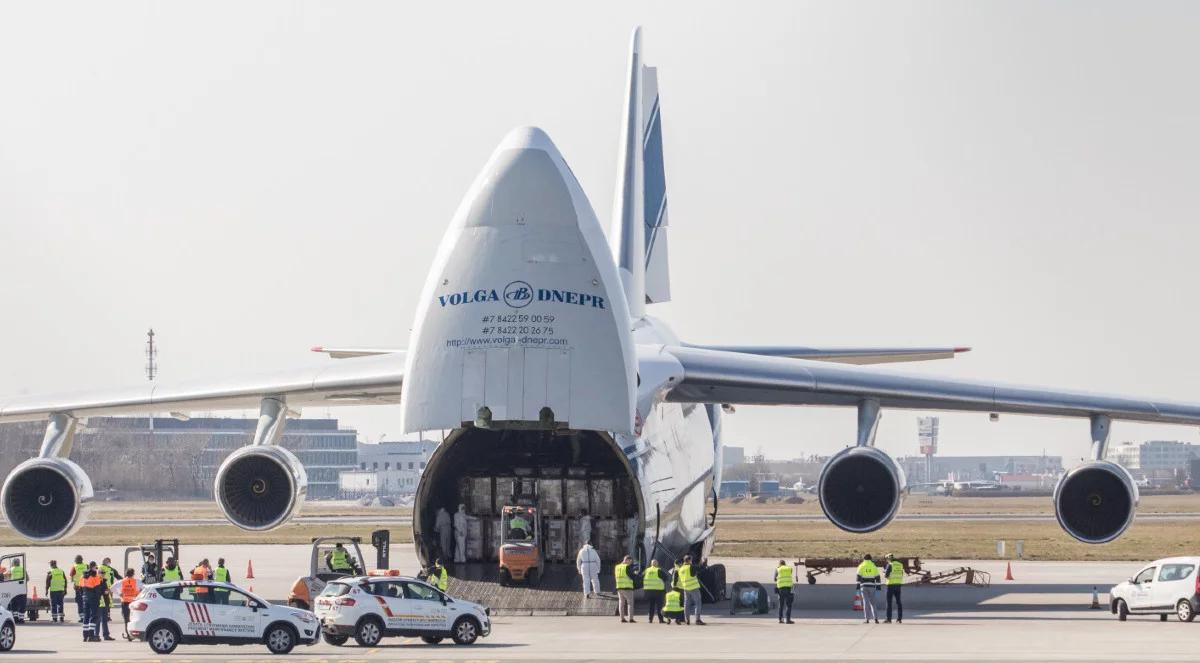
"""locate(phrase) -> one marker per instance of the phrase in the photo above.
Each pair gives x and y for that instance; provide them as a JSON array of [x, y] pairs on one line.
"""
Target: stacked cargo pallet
[[567, 501]]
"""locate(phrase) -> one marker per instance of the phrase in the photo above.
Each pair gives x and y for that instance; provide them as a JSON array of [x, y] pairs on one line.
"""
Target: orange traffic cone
[[1008, 572], [249, 569], [34, 588], [858, 602]]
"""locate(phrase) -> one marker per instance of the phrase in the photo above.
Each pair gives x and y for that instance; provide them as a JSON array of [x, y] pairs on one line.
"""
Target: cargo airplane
[[533, 346]]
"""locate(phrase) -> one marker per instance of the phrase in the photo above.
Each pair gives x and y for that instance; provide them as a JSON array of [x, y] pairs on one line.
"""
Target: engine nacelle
[[46, 499], [1095, 502], [260, 487], [861, 489]]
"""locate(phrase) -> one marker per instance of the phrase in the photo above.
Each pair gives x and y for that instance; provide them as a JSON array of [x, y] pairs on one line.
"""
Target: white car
[[169, 614], [8, 630], [1167, 586], [368, 608]]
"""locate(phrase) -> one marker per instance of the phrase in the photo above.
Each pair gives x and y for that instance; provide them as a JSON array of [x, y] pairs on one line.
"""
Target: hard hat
[[891, 556]]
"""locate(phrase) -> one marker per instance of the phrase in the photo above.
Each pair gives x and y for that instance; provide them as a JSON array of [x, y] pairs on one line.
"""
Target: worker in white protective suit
[[460, 534], [444, 530], [587, 562]]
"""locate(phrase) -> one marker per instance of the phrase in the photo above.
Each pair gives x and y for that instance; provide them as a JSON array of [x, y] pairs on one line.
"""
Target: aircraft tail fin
[[640, 203]]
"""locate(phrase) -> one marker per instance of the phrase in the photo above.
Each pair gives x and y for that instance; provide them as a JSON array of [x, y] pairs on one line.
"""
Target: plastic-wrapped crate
[[602, 498], [575, 535], [576, 496], [526, 487], [494, 537], [555, 534], [550, 497], [479, 502], [474, 539], [577, 472], [609, 539], [504, 493], [550, 472], [464, 492]]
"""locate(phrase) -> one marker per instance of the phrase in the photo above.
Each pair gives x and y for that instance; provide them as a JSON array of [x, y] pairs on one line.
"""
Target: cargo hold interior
[[567, 474]]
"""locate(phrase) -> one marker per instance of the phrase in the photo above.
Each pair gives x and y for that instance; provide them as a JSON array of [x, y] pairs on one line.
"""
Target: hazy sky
[[253, 179]]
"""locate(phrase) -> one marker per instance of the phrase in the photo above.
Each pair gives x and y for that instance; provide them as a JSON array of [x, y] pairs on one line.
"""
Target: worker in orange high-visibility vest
[[128, 589], [201, 573]]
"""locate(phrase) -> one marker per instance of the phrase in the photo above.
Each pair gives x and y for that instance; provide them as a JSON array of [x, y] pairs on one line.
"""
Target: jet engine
[[861, 489], [1095, 502], [260, 487], [46, 499]]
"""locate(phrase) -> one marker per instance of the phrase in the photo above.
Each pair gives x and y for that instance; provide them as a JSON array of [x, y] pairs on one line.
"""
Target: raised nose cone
[[524, 183], [529, 138]]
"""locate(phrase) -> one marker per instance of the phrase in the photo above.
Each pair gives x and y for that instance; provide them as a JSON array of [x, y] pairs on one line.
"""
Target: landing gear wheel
[[465, 631], [163, 638], [335, 640], [1122, 610], [280, 639], [1184, 611], [368, 633], [430, 640], [8, 636]]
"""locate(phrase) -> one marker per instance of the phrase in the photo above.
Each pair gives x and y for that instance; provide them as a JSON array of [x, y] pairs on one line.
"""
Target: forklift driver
[[518, 527]]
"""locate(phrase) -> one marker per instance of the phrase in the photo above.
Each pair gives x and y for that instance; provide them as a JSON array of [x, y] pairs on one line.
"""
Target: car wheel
[[280, 639], [368, 633], [335, 640], [1122, 610], [430, 640], [8, 636], [465, 631], [163, 638], [1183, 610]]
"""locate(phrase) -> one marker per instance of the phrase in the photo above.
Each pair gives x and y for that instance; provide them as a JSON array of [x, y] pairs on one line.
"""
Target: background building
[[168, 458], [386, 469], [976, 468]]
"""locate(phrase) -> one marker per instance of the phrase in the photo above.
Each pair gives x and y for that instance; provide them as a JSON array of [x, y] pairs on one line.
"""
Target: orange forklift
[[520, 545]]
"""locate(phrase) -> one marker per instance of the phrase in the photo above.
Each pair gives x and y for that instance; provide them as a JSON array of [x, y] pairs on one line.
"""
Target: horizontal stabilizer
[[344, 353], [841, 355]]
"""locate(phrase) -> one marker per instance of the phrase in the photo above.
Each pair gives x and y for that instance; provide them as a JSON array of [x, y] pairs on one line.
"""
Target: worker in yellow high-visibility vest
[[625, 586], [784, 581], [689, 582], [653, 588], [895, 580], [867, 576]]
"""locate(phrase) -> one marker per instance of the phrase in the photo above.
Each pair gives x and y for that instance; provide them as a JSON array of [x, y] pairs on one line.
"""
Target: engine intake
[[1096, 501], [260, 487], [46, 499], [861, 489]]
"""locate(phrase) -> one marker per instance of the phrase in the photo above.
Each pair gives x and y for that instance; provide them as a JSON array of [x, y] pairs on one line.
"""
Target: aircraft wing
[[711, 376], [843, 355], [355, 381]]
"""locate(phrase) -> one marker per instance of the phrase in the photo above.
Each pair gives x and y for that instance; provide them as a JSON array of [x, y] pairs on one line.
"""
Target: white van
[[1167, 586]]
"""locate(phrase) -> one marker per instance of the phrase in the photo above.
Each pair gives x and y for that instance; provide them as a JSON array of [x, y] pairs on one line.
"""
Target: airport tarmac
[[1028, 635], [1043, 614]]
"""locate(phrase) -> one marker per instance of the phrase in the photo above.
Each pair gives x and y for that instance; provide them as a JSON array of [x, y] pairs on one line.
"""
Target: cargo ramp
[[559, 593]]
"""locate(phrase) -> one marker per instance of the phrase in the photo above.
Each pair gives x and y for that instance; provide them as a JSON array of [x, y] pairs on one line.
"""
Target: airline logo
[[520, 294]]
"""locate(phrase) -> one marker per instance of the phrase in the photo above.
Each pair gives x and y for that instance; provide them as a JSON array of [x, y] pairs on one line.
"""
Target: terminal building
[[1154, 456]]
